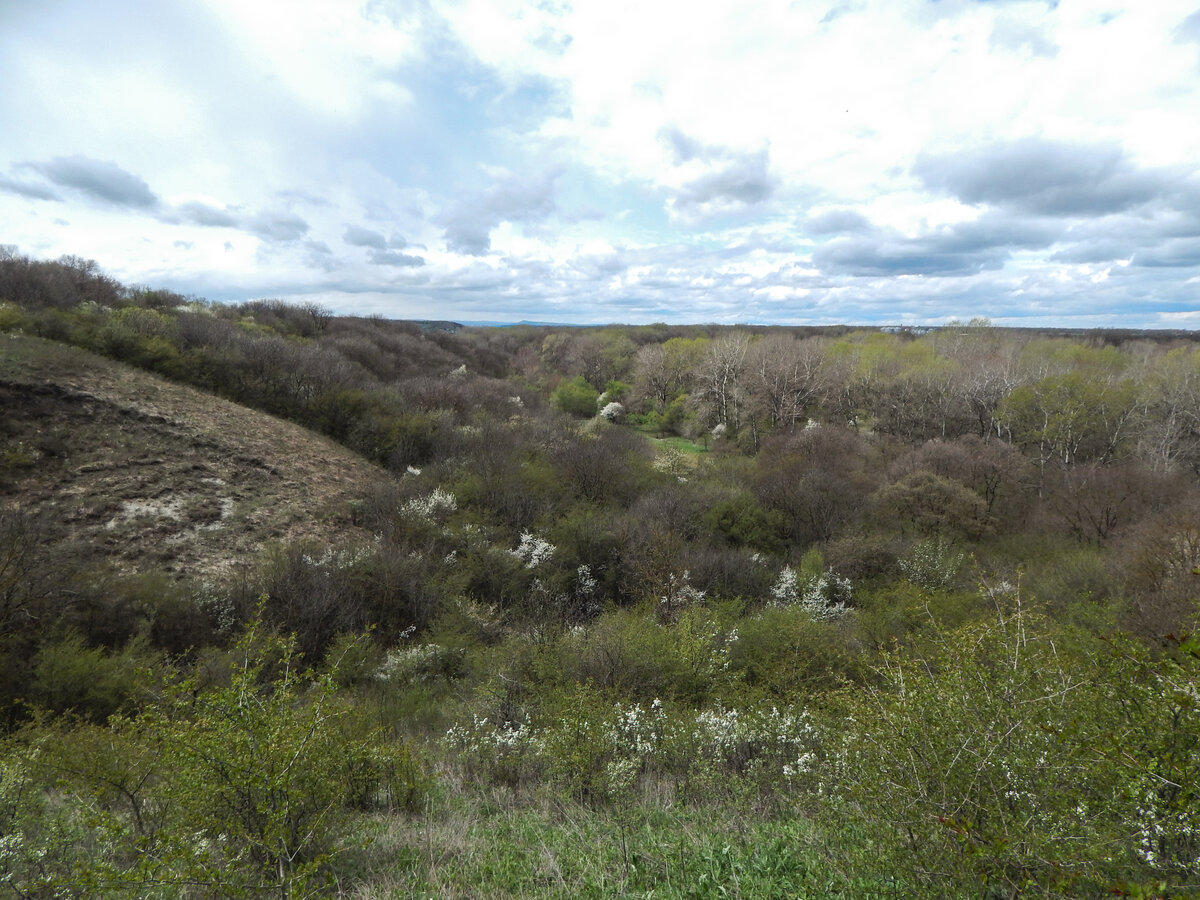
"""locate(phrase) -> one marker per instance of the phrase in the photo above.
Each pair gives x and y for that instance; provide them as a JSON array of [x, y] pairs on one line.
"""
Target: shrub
[[11, 317], [932, 565], [1007, 756], [69, 676], [576, 397], [744, 523], [625, 651], [931, 505], [784, 651], [239, 788], [41, 842], [600, 751], [820, 592]]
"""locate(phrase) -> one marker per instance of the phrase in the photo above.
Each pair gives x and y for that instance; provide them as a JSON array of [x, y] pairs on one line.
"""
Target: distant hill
[[428, 325], [157, 476]]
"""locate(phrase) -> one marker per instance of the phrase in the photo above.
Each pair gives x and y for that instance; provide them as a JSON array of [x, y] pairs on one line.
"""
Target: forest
[[625, 611]]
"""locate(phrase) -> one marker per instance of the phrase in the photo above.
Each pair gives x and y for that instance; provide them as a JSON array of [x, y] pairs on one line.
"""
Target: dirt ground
[[157, 476]]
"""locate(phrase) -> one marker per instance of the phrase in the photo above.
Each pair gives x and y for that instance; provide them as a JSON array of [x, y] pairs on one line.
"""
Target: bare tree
[[785, 378], [720, 390]]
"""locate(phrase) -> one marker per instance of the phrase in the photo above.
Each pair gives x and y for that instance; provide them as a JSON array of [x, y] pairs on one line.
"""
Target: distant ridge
[[427, 325], [526, 322]]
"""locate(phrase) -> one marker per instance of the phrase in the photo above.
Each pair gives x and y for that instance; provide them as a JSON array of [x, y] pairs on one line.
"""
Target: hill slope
[[155, 475]]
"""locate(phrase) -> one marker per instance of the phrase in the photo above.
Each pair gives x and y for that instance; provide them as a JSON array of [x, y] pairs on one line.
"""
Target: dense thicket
[[932, 592]]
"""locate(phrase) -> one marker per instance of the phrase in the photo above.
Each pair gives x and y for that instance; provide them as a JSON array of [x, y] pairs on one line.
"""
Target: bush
[[576, 397], [600, 751], [1007, 756], [930, 505], [11, 317], [744, 523], [784, 652], [240, 787], [624, 651], [69, 676]]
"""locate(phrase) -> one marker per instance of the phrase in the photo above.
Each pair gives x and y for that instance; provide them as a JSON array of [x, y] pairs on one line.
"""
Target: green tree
[[1071, 417], [1170, 400], [576, 397]]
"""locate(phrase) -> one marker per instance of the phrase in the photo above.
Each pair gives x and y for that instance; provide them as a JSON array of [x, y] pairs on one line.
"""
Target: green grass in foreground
[[496, 847]]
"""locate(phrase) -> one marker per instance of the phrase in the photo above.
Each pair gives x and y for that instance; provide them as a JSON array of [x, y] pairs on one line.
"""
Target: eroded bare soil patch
[[155, 475]]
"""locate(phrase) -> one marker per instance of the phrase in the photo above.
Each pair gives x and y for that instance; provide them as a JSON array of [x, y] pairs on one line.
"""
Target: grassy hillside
[[155, 475]]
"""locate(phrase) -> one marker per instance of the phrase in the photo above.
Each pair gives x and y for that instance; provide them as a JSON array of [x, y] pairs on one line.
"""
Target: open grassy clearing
[[683, 445], [479, 845]]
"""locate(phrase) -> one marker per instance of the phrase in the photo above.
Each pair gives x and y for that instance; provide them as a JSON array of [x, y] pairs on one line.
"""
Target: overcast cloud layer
[[891, 161]]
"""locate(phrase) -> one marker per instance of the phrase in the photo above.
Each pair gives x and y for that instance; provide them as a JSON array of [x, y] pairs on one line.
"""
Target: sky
[[602, 161]]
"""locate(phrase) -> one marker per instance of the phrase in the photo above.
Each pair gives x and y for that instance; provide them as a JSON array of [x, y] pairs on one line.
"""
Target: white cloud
[[774, 161]]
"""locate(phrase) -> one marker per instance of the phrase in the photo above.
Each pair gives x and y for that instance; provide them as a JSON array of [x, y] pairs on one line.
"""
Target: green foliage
[[11, 317], [1150, 735], [576, 397], [984, 755], [626, 652], [1006, 755], [784, 652], [551, 848], [1070, 417], [616, 390], [241, 787], [745, 523], [142, 337], [69, 676], [599, 751], [40, 840]]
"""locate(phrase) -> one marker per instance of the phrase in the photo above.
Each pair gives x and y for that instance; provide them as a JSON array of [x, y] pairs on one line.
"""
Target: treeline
[[1105, 398]]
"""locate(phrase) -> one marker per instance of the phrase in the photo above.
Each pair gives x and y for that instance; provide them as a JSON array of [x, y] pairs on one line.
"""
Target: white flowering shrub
[[932, 565], [419, 664], [670, 461], [218, 605], [602, 751], [584, 600], [786, 591], [533, 550], [823, 596], [680, 595], [430, 506], [508, 753], [339, 559], [585, 581], [612, 411], [757, 741]]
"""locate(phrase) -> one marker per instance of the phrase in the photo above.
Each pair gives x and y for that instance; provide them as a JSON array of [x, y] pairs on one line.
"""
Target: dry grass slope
[[158, 476]]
